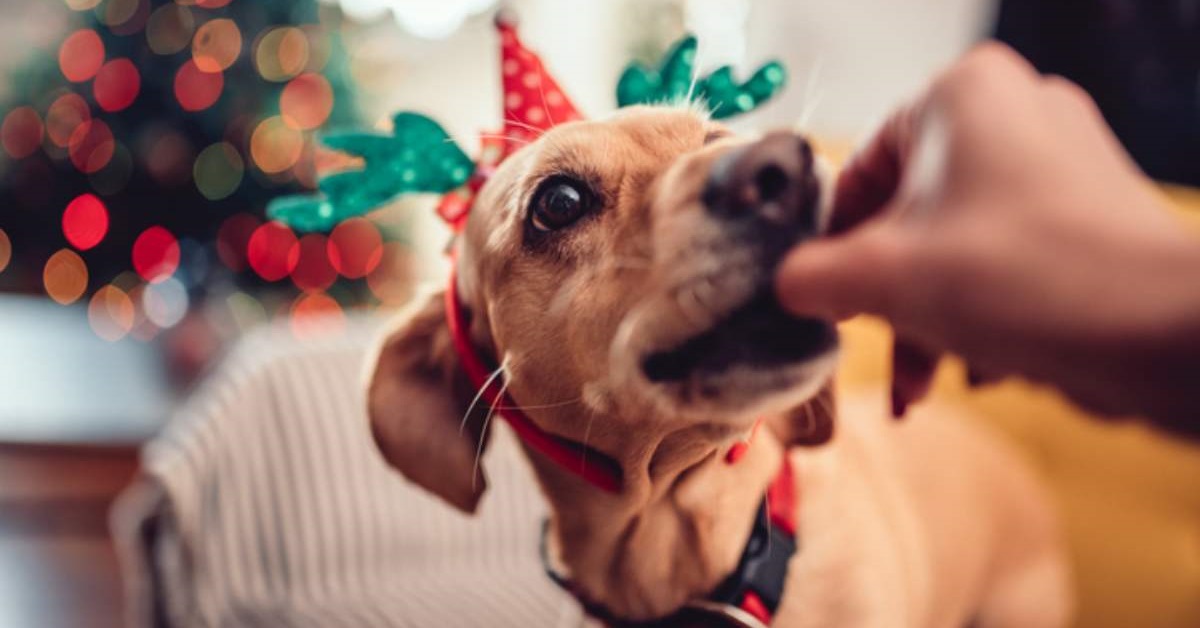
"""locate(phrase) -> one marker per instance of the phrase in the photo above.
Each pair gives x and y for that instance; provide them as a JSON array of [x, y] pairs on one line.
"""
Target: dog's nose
[[769, 182]]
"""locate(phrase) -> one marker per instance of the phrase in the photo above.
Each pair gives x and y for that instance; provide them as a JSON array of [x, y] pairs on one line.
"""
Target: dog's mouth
[[758, 335]]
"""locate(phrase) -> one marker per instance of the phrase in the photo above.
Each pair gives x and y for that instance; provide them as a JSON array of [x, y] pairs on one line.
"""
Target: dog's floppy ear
[[808, 425], [417, 398]]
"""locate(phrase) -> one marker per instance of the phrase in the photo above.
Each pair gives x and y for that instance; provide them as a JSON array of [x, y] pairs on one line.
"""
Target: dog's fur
[[920, 523]]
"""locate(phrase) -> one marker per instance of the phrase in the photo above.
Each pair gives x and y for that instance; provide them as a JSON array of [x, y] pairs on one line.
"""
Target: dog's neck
[[674, 532]]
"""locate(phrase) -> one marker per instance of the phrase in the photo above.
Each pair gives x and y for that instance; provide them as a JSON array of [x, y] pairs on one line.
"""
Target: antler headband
[[420, 157]]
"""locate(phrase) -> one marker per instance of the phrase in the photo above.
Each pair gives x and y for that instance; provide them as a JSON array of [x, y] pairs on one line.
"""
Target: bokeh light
[[273, 251], [110, 313], [232, 239], [85, 222], [113, 177], [91, 146], [246, 311], [64, 116], [211, 4], [114, 12], [315, 314], [275, 146], [116, 85], [82, 5], [81, 55], [21, 133], [143, 328], [218, 171], [170, 29], [216, 45], [155, 254], [391, 281], [306, 101], [320, 47], [169, 158], [313, 273], [165, 303], [65, 276], [355, 248], [281, 53], [197, 90], [5, 250], [124, 17]]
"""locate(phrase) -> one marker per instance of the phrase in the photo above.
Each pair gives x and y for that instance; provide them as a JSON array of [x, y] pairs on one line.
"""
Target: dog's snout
[[768, 182]]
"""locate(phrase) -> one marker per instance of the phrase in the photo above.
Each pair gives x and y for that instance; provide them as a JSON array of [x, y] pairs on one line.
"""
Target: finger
[[978, 378], [913, 369], [870, 178], [838, 277]]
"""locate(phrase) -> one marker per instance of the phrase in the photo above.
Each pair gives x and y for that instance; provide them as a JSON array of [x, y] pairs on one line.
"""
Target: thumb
[[838, 277]]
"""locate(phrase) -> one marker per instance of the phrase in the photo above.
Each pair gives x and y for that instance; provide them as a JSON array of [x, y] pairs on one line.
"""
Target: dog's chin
[[753, 360]]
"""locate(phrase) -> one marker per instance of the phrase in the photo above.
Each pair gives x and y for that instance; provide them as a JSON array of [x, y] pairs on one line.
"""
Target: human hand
[[999, 218]]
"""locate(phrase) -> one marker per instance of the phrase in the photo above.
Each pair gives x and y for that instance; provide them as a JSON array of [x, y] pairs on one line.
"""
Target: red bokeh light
[[197, 90], [85, 222], [81, 55], [117, 85], [316, 313], [313, 273], [306, 101], [212, 4], [232, 239], [155, 254], [21, 133], [65, 115], [91, 146], [355, 248], [273, 251]]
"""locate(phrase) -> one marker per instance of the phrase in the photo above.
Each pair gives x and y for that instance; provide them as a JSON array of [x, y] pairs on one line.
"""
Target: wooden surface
[[57, 563]]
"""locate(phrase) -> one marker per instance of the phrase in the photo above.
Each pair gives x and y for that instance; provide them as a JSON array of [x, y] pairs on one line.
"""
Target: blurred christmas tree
[[138, 157]]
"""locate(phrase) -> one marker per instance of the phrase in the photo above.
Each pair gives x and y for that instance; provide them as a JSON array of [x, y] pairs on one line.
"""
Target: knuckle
[[1069, 91]]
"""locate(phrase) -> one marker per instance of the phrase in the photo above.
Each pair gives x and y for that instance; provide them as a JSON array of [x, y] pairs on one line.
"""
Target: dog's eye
[[558, 203]]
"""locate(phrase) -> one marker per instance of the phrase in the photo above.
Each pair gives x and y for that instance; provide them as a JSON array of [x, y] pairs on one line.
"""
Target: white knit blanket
[[265, 503]]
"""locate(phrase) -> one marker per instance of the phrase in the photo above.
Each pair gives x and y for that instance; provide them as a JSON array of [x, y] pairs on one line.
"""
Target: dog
[[618, 274]]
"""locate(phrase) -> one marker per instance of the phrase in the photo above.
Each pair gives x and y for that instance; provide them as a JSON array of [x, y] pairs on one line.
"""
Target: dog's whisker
[[483, 432], [527, 127], [487, 383], [558, 404], [545, 106], [810, 97]]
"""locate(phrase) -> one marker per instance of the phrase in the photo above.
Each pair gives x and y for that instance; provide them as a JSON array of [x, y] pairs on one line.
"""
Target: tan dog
[[620, 270]]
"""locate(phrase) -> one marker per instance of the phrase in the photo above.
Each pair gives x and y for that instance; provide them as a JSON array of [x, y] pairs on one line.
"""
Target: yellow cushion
[[1130, 498]]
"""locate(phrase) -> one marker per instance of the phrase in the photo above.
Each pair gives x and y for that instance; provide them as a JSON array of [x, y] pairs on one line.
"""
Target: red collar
[[750, 595], [595, 468]]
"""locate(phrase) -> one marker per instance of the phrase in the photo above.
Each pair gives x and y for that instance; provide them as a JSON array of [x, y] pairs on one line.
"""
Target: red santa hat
[[532, 103]]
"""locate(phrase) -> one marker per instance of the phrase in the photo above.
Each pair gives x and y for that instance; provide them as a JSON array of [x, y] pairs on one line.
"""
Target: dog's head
[[620, 271]]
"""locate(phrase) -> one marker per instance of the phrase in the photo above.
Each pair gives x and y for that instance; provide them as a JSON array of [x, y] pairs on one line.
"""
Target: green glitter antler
[[419, 156], [672, 82]]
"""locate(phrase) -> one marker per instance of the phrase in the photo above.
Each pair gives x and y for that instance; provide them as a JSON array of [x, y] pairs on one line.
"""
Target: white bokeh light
[[431, 19]]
